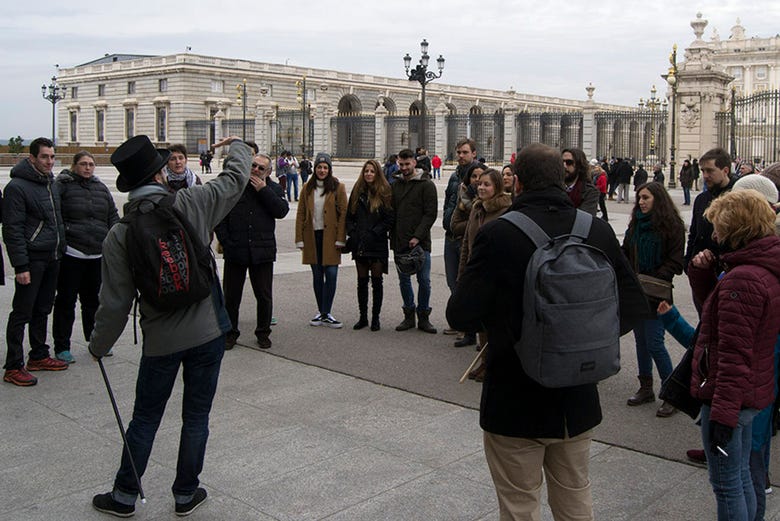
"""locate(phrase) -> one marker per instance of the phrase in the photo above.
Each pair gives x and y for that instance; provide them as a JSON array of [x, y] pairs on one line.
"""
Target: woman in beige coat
[[320, 233]]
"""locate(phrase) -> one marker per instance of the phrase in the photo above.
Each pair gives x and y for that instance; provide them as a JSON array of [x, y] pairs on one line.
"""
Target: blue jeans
[[649, 336], [686, 195], [156, 377], [324, 279], [292, 179], [730, 475], [423, 283]]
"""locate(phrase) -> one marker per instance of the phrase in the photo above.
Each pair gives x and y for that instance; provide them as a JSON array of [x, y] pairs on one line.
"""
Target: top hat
[[137, 160]]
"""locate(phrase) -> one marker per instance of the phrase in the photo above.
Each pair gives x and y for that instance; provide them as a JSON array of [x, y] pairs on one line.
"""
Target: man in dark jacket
[[526, 426], [414, 202], [466, 153], [623, 174], [640, 177], [248, 240], [35, 241]]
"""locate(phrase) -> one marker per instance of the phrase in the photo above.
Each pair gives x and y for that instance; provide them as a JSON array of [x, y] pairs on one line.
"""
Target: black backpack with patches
[[171, 267]]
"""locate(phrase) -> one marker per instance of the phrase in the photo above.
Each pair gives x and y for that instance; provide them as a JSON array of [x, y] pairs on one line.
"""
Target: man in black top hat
[[192, 336]]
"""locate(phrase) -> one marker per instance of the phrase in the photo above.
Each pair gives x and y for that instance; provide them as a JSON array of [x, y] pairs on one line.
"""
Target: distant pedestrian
[[436, 164], [658, 174], [640, 177], [320, 233], [696, 173], [686, 181], [305, 170]]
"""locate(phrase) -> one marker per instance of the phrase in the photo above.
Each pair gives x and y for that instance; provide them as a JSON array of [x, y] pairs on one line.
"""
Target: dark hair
[[406, 153], [78, 156], [581, 165], [538, 167], [665, 219], [37, 143], [721, 157], [178, 148], [329, 182], [466, 179], [467, 141]]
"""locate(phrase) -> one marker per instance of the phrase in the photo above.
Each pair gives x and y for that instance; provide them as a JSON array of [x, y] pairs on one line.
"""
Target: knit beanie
[[772, 172], [322, 157], [761, 184]]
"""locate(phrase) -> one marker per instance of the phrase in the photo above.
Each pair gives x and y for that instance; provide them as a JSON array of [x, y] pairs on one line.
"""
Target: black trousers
[[79, 278], [31, 305], [261, 277]]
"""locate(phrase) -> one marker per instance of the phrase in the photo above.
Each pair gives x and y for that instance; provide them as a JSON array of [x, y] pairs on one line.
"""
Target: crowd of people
[[61, 235]]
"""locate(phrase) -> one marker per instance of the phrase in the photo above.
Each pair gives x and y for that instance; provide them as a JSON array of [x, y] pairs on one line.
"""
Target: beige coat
[[334, 232], [481, 213]]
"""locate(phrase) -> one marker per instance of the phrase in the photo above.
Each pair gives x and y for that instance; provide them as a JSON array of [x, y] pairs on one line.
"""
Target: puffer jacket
[[88, 211], [32, 217], [415, 204], [248, 233], [368, 231], [733, 361]]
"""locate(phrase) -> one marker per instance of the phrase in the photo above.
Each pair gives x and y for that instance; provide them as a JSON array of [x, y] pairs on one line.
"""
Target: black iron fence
[[556, 129], [637, 134], [294, 132], [750, 130], [404, 132], [355, 136], [487, 130]]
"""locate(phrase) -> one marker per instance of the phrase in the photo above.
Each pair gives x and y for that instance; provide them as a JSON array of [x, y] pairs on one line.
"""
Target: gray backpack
[[571, 321]]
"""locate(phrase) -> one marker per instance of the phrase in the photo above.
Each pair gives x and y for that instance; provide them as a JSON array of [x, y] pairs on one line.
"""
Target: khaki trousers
[[516, 467]]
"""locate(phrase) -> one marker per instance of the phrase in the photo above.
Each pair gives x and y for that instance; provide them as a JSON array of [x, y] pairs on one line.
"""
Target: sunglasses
[[259, 167], [568, 162]]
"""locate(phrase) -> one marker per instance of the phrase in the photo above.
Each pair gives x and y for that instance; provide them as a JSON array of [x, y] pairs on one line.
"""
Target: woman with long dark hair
[[654, 245], [320, 233], [369, 219]]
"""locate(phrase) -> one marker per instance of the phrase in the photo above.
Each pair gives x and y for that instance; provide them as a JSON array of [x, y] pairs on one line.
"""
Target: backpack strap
[[581, 227], [526, 225]]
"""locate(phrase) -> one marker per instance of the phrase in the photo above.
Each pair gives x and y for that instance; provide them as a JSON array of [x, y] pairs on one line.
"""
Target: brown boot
[[645, 393], [665, 410]]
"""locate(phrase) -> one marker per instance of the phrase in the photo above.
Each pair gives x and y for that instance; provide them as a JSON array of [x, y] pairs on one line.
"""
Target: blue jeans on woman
[[649, 336], [324, 279], [730, 475]]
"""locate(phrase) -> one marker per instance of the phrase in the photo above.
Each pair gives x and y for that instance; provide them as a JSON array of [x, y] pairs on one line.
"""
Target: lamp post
[[652, 104], [55, 94], [301, 97], [671, 79], [241, 98], [423, 76]]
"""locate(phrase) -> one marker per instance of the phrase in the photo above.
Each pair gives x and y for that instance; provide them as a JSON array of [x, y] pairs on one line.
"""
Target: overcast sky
[[548, 47]]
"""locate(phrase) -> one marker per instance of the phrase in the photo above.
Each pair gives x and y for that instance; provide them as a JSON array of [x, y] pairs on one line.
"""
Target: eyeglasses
[[259, 167], [568, 162]]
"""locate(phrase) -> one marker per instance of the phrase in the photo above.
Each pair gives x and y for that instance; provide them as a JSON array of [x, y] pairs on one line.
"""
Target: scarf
[[646, 243], [575, 193], [179, 181]]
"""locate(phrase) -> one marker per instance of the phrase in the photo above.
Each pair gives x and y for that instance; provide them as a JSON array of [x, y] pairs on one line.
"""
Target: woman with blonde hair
[[733, 359], [369, 219]]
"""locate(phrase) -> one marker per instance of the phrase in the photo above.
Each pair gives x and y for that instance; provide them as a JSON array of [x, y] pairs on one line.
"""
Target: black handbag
[[676, 389]]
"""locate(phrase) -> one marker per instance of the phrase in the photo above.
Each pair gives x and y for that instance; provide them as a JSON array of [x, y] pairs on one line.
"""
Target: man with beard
[[579, 186]]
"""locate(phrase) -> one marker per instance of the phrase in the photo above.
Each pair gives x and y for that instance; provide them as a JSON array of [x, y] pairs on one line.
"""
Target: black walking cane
[[122, 430]]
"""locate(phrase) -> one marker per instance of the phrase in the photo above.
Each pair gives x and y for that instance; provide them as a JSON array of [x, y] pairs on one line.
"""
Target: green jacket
[[168, 332], [415, 204]]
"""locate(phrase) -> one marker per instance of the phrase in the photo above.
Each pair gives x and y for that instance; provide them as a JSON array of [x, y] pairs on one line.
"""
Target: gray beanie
[[759, 183], [773, 173], [322, 157]]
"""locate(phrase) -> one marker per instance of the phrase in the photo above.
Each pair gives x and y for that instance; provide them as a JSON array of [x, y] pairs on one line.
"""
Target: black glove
[[720, 436]]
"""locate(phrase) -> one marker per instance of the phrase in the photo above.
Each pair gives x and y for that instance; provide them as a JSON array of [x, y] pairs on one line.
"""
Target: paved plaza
[[331, 424]]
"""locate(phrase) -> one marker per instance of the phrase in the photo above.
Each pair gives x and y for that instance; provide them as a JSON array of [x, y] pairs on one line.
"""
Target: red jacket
[[733, 361], [601, 183], [436, 162]]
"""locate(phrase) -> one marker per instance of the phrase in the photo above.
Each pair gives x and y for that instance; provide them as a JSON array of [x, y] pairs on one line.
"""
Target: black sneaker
[[185, 509], [329, 321], [107, 504]]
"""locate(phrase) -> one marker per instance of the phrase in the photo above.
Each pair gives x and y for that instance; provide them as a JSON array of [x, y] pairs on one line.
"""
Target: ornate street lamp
[[652, 104], [423, 76], [241, 98], [671, 79], [55, 94]]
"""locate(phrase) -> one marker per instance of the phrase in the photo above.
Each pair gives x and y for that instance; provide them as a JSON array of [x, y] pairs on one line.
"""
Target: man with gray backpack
[[554, 292]]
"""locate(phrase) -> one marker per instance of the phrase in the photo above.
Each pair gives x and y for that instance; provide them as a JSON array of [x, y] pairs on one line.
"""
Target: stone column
[[440, 139], [219, 118], [589, 138], [380, 130], [263, 116], [510, 129]]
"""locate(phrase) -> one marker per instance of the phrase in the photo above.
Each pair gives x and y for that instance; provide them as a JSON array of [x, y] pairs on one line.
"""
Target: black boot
[[408, 321], [423, 324], [362, 294], [645, 393], [377, 294], [469, 339]]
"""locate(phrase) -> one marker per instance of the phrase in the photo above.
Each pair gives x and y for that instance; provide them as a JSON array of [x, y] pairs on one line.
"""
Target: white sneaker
[[316, 321], [329, 321]]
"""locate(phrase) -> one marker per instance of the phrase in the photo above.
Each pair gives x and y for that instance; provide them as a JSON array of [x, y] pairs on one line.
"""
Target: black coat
[[32, 217], [623, 172], [368, 231], [489, 296], [700, 230], [248, 233], [88, 211], [640, 177]]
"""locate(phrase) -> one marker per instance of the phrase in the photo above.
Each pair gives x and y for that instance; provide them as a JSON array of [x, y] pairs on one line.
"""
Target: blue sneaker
[[316, 321], [65, 356], [274, 321]]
